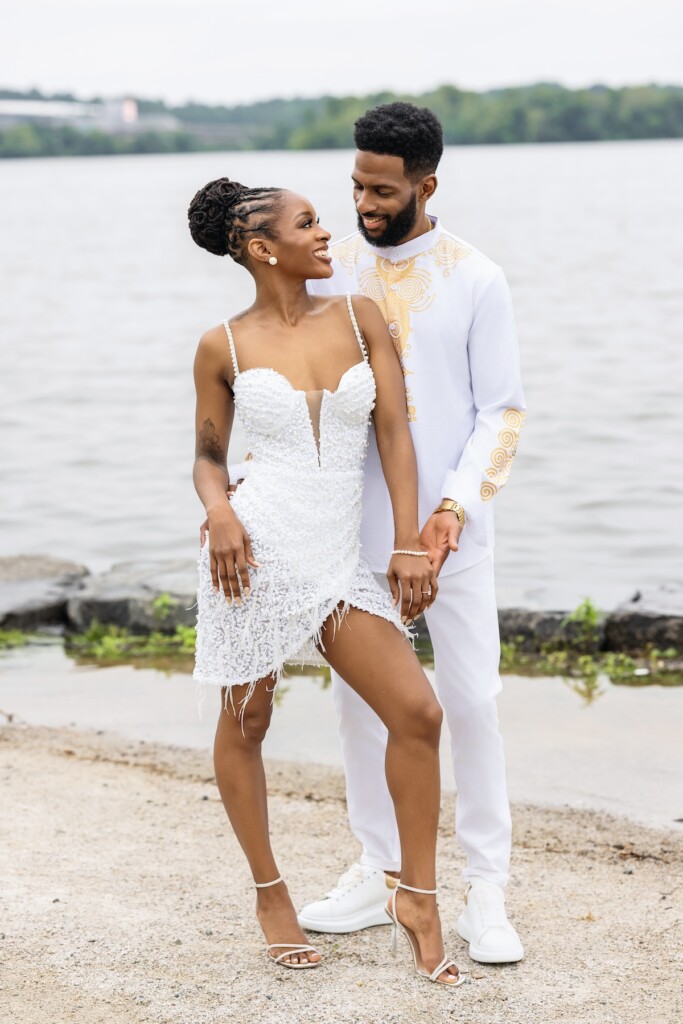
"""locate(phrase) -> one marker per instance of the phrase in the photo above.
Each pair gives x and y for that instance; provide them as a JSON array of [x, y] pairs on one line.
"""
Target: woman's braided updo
[[224, 213]]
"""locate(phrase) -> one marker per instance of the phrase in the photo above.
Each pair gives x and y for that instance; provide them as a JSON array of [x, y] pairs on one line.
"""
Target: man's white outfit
[[449, 313]]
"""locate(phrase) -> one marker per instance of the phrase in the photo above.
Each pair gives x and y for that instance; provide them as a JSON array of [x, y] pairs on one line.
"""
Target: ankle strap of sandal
[[410, 888], [265, 885]]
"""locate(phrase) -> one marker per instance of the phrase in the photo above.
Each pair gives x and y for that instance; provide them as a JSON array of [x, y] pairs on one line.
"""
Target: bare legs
[[377, 662], [242, 785]]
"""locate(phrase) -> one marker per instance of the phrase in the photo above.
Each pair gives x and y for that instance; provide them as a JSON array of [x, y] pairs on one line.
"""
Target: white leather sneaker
[[484, 924], [358, 901]]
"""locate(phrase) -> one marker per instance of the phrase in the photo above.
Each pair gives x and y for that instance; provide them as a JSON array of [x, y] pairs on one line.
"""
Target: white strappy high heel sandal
[[291, 948], [414, 947]]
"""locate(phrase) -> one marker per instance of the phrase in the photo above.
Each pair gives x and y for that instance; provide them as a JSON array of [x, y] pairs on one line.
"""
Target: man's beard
[[397, 227]]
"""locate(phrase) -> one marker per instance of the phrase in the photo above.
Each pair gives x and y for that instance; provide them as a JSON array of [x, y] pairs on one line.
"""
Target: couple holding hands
[[377, 380]]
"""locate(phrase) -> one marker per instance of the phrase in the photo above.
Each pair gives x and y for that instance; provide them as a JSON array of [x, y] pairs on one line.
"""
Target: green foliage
[[583, 626], [576, 658], [116, 644], [510, 653], [544, 112], [162, 606], [13, 638], [27, 140], [618, 667]]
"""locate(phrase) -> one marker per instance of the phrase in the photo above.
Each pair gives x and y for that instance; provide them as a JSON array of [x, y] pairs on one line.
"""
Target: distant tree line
[[544, 112], [25, 140]]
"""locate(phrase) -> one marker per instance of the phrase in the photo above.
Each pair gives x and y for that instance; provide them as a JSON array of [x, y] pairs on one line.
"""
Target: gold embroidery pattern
[[447, 252], [399, 289], [349, 252], [501, 457], [412, 415]]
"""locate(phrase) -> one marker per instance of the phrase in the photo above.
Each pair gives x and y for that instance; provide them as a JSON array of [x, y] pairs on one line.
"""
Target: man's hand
[[440, 535], [205, 525]]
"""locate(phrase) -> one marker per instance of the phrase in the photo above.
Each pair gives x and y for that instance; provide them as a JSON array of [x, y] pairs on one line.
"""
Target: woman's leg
[[242, 785], [377, 662]]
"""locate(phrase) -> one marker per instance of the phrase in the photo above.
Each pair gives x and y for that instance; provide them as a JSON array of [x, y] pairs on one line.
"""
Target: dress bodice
[[286, 428]]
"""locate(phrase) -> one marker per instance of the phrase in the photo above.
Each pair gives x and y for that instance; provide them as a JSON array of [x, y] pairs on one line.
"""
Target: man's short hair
[[402, 129]]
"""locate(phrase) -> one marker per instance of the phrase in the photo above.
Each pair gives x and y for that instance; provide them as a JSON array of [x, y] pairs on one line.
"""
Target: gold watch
[[448, 505]]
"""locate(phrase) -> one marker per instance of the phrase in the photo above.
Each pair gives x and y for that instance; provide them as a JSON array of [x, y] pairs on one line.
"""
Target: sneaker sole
[[482, 956], [371, 918]]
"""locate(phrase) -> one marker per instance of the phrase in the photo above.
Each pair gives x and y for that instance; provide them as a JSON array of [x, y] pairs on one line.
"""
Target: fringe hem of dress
[[276, 672]]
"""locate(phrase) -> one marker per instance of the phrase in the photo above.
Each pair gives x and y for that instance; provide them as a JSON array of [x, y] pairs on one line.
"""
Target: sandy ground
[[125, 898]]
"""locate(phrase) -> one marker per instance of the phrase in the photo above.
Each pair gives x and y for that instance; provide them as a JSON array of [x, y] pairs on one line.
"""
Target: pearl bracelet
[[402, 551]]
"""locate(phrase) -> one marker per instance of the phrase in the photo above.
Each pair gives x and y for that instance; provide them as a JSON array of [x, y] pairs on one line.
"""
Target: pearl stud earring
[[273, 261]]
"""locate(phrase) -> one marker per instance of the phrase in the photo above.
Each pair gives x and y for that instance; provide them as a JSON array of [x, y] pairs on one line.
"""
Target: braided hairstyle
[[402, 129], [224, 213]]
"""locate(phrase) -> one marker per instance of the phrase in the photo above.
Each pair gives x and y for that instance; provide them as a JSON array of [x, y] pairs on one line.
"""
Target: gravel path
[[125, 898]]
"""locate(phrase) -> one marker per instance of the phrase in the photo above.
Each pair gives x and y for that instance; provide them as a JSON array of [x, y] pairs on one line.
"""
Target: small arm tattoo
[[208, 444]]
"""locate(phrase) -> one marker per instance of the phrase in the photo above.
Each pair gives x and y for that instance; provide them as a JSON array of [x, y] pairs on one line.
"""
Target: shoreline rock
[[37, 590], [141, 596], [653, 614], [34, 590]]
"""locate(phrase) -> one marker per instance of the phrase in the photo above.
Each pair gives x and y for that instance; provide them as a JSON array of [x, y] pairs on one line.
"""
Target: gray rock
[[543, 629], [653, 616], [126, 596], [532, 630], [34, 590]]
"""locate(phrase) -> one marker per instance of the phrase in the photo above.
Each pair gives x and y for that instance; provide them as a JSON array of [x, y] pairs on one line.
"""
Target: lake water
[[105, 296]]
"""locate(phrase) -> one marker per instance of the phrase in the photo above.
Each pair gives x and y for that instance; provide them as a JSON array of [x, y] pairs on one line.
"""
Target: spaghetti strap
[[359, 336], [231, 343]]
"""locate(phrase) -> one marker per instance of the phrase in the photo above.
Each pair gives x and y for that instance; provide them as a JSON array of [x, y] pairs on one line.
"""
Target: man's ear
[[428, 186], [258, 250]]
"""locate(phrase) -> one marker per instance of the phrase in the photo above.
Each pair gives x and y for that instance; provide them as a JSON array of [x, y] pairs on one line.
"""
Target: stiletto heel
[[394, 938], [292, 948], [414, 946]]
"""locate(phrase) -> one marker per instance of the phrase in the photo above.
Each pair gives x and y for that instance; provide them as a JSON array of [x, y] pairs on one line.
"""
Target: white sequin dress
[[301, 506]]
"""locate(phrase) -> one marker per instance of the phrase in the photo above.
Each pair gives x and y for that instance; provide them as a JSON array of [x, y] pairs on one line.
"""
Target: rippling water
[[105, 296]]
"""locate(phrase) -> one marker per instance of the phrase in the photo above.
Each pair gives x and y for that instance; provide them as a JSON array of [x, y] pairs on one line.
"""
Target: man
[[449, 312]]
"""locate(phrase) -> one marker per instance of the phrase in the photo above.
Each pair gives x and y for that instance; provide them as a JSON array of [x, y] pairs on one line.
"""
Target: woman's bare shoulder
[[366, 308], [212, 347], [214, 341]]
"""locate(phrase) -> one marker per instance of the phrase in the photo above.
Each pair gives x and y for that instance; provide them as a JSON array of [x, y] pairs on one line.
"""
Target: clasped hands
[[440, 535]]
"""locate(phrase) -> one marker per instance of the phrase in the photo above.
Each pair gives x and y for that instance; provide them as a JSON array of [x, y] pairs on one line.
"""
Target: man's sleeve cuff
[[238, 471], [457, 489]]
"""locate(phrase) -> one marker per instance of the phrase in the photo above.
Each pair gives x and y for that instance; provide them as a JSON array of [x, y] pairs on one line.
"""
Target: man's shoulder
[[348, 250], [451, 249]]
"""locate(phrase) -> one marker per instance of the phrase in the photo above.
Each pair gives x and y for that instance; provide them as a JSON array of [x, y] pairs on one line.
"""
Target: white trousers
[[463, 624]]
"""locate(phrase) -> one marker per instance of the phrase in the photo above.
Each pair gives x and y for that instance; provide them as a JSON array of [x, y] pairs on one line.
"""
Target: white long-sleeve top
[[449, 312]]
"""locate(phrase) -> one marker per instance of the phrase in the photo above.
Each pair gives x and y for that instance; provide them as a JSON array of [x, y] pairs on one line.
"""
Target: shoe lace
[[348, 881], [491, 907]]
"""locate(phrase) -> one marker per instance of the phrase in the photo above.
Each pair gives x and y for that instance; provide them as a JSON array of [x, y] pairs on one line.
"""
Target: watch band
[[449, 505]]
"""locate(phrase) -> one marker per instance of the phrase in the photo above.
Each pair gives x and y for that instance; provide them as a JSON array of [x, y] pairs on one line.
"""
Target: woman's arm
[[229, 545], [414, 574]]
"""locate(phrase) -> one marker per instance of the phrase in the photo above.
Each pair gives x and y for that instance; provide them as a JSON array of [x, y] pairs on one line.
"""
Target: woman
[[281, 569]]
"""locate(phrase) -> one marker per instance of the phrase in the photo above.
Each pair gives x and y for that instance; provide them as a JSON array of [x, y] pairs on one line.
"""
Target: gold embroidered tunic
[[449, 312]]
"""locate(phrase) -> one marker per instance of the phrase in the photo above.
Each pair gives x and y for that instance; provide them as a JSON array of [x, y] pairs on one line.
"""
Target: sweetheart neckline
[[302, 391]]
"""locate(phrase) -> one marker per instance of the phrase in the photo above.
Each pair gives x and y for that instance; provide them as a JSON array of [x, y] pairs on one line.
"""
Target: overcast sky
[[229, 52]]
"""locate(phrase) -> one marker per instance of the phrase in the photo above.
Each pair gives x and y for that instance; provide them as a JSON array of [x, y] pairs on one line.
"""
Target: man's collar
[[407, 250]]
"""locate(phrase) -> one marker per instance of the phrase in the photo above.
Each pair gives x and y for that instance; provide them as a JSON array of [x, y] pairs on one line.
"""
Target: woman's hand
[[229, 554], [204, 527], [413, 582]]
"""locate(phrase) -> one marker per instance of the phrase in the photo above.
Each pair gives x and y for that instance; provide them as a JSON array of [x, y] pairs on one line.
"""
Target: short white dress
[[301, 506]]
